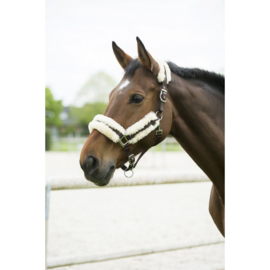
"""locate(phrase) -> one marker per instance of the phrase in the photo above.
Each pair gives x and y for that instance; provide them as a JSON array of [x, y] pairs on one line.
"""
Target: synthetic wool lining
[[163, 66], [104, 124], [109, 122], [104, 129]]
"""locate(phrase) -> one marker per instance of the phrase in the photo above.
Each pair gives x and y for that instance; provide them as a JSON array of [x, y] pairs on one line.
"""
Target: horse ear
[[123, 58], [146, 58]]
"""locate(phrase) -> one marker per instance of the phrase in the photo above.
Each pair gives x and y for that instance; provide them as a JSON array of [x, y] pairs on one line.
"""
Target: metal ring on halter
[[161, 114], [160, 95], [128, 171]]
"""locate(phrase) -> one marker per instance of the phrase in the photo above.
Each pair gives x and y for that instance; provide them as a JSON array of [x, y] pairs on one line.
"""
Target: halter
[[125, 137]]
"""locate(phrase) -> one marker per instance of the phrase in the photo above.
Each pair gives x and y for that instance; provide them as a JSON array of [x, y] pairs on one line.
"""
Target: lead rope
[[124, 140]]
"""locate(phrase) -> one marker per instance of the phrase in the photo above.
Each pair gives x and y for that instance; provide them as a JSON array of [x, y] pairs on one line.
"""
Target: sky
[[79, 35]]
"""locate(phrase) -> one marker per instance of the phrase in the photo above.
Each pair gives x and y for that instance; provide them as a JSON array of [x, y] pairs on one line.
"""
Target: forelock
[[132, 67]]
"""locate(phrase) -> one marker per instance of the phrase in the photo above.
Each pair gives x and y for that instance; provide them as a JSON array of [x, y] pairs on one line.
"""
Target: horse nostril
[[91, 161], [91, 164]]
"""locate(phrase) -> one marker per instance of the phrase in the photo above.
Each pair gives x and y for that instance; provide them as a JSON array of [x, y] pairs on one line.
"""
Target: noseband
[[125, 137]]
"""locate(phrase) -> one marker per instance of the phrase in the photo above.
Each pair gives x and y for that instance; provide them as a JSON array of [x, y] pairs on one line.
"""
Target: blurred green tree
[[91, 99], [95, 90], [83, 115], [53, 109]]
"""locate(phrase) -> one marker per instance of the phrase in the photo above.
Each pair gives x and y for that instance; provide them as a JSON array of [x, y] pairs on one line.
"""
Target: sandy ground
[[200, 258], [86, 223], [92, 222]]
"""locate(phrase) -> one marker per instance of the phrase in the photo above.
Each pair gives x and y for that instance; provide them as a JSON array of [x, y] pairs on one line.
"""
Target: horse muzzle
[[99, 174]]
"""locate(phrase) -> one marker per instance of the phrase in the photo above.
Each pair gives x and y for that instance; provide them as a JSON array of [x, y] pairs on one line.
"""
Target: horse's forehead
[[142, 77], [124, 84], [138, 80]]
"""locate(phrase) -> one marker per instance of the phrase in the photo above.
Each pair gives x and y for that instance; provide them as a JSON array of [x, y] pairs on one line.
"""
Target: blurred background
[[156, 210]]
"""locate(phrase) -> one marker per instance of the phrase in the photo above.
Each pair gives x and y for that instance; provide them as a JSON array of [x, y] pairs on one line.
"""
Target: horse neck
[[198, 125]]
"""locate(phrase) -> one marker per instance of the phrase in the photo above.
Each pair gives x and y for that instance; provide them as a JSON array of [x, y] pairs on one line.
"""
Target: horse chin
[[102, 180]]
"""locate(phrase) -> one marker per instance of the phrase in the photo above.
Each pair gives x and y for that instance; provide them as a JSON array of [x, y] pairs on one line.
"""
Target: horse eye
[[136, 99]]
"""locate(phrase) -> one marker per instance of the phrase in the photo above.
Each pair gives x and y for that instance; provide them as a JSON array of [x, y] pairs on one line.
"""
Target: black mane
[[211, 78], [186, 73]]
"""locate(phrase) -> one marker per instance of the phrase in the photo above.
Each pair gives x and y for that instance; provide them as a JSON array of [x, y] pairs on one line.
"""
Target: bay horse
[[190, 107]]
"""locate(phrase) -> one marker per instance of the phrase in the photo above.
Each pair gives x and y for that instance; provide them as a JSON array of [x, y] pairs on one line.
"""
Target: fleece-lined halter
[[125, 137]]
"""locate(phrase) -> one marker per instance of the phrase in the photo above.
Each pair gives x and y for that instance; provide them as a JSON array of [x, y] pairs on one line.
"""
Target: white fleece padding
[[109, 122], [104, 129], [140, 124], [103, 123], [162, 67], [144, 133]]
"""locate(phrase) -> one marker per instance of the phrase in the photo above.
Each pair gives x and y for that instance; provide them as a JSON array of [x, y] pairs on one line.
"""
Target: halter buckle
[[159, 132], [131, 160], [162, 95], [123, 144]]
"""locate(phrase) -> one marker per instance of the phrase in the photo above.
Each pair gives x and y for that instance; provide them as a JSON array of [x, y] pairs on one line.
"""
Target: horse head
[[135, 98]]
